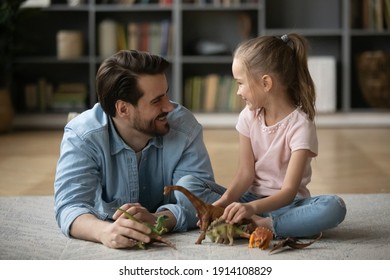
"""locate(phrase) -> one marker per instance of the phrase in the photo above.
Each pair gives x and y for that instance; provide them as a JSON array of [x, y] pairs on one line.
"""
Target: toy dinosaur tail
[[161, 239]]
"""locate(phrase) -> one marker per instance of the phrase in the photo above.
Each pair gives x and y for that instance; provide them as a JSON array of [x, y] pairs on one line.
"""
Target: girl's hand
[[235, 212]]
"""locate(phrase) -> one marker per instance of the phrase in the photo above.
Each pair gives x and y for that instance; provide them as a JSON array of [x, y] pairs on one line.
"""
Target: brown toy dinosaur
[[206, 212], [293, 243]]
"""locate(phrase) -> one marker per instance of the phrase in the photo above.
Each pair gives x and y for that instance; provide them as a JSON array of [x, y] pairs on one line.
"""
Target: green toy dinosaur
[[157, 229], [221, 232]]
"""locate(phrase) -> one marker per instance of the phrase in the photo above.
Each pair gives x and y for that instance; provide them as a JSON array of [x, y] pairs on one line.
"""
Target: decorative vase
[[373, 74], [69, 44], [6, 110]]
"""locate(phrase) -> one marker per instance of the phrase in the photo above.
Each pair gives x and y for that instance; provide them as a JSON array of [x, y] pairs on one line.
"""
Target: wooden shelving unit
[[326, 24]]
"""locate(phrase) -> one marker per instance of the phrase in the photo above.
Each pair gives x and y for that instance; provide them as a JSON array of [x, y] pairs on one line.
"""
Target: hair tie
[[284, 38]]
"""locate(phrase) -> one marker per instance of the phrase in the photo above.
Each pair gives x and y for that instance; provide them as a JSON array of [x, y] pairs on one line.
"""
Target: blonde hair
[[285, 57]]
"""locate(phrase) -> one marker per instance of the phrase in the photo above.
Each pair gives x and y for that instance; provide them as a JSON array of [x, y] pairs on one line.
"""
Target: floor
[[349, 161], [352, 160]]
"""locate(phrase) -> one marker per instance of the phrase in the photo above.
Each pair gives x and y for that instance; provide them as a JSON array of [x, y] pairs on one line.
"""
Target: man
[[123, 151]]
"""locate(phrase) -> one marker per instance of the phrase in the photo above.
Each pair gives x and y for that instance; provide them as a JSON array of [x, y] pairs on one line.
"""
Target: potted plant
[[9, 10]]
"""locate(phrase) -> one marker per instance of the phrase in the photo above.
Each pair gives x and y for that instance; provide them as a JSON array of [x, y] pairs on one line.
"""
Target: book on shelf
[[143, 2], [187, 93], [107, 38], [218, 3], [166, 38], [236, 102], [211, 88], [132, 36], [121, 37], [38, 96], [378, 15], [126, 2], [197, 93], [31, 97], [45, 93], [166, 2], [386, 11], [144, 36]]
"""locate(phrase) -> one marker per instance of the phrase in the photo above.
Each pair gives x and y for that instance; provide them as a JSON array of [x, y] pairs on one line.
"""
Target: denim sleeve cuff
[[177, 211], [68, 216]]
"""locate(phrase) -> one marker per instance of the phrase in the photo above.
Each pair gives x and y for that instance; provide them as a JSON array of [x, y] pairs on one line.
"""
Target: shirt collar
[[117, 144]]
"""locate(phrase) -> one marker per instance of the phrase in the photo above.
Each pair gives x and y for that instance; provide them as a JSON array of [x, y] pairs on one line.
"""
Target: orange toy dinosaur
[[206, 212], [261, 238]]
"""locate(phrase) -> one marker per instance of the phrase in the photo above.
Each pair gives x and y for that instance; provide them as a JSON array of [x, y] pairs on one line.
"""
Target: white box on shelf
[[35, 4], [323, 72]]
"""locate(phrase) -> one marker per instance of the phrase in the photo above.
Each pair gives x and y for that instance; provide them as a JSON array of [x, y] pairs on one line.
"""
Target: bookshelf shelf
[[211, 7], [314, 32], [67, 8], [207, 59], [333, 28], [51, 59], [222, 120], [131, 8]]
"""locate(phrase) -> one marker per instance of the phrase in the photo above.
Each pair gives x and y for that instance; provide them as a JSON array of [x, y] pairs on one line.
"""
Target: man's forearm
[[88, 227]]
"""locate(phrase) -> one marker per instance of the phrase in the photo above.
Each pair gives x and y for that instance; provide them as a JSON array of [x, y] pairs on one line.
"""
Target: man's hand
[[124, 232], [157, 229]]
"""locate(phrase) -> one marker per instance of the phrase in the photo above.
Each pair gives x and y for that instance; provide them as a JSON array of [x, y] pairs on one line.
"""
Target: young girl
[[277, 141]]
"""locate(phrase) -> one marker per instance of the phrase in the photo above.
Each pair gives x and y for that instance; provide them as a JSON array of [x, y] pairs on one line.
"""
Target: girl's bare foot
[[263, 222]]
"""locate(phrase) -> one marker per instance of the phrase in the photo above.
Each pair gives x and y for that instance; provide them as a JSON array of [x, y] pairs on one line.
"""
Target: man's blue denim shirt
[[97, 172]]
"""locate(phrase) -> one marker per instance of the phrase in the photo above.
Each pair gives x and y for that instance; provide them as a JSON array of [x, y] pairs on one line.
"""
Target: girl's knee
[[206, 190], [189, 182], [337, 207], [187, 178]]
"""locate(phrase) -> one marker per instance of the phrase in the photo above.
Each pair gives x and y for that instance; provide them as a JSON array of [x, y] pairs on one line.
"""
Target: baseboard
[[331, 120], [222, 120]]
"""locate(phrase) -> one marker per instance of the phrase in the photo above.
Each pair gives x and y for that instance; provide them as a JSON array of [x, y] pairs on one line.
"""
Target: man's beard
[[149, 127]]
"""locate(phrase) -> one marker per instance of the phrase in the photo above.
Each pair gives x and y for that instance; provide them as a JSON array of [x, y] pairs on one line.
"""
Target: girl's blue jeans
[[304, 217]]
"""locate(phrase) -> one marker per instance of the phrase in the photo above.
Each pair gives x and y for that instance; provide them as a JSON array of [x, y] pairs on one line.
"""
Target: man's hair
[[117, 77]]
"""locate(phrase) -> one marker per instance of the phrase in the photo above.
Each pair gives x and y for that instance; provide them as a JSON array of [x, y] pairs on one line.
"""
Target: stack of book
[[370, 14], [154, 37], [212, 93], [40, 97], [69, 97]]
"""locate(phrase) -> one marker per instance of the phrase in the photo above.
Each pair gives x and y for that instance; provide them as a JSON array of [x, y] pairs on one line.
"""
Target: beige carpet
[[28, 231]]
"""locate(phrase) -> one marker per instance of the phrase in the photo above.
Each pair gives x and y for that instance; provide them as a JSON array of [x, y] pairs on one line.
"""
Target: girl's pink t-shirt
[[272, 147]]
